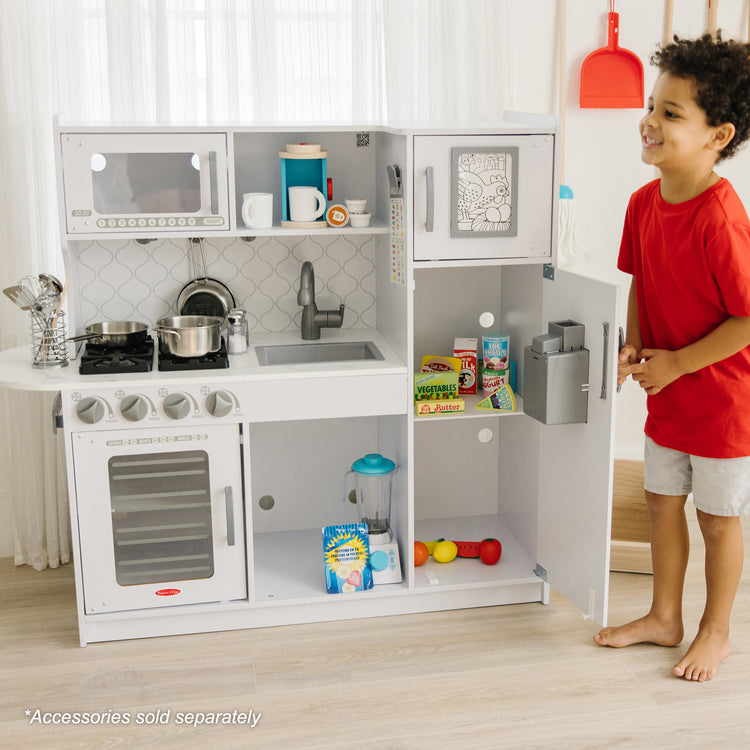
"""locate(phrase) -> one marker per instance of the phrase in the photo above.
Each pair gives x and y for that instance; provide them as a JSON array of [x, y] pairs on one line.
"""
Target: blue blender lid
[[373, 464]]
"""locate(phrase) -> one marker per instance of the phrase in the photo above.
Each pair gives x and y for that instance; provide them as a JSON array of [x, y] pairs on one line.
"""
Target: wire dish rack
[[49, 346]]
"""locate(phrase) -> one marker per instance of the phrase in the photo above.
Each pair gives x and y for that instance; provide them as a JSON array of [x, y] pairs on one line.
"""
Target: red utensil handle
[[613, 31]]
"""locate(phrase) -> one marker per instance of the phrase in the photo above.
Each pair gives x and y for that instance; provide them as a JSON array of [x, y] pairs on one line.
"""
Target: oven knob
[[176, 406], [219, 403], [134, 408], [90, 410]]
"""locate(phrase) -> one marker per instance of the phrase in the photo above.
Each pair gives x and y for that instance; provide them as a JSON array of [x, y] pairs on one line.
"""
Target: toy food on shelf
[[346, 554], [489, 550], [466, 351], [437, 381], [501, 400]]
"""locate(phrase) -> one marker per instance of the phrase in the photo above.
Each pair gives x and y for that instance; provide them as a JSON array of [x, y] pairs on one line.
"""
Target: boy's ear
[[722, 135]]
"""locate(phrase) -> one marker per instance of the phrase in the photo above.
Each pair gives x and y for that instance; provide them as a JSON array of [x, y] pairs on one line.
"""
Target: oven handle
[[229, 501]]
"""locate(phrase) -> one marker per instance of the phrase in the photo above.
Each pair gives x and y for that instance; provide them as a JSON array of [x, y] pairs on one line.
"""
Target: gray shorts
[[720, 486]]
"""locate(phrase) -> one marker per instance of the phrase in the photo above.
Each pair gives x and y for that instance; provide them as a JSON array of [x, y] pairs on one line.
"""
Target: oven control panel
[[124, 408]]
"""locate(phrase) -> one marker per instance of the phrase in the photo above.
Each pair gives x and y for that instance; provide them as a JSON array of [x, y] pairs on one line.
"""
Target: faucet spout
[[312, 318]]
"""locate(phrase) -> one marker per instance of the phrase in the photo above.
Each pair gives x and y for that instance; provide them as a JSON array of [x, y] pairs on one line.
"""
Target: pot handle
[[84, 337], [166, 329]]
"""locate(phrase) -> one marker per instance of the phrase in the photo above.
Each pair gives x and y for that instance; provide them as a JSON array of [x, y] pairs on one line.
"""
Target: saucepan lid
[[205, 296]]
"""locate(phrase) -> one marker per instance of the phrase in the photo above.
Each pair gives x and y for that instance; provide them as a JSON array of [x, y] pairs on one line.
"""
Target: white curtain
[[251, 61]]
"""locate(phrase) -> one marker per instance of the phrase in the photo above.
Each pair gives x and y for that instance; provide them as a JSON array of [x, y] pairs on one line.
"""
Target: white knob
[[219, 403], [134, 408], [176, 406], [90, 410]]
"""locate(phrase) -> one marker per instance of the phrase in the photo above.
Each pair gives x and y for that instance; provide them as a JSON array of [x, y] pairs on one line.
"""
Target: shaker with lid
[[238, 333]]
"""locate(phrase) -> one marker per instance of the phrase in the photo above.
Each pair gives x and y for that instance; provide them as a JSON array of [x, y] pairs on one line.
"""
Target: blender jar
[[372, 477]]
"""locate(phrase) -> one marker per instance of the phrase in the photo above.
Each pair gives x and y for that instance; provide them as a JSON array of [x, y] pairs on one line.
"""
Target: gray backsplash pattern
[[123, 280]]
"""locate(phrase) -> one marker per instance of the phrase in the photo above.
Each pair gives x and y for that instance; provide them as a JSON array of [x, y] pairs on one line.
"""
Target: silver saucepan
[[114, 333], [190, 335]]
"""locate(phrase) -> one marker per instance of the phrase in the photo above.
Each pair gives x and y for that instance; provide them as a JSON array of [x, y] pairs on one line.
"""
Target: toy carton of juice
[[466, 351]]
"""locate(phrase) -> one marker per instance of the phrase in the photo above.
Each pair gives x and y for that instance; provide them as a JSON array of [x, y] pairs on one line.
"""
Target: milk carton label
[[466, 351]]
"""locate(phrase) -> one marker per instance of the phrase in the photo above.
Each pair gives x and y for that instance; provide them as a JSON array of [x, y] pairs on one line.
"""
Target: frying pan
[[114, 333], [612, 77]]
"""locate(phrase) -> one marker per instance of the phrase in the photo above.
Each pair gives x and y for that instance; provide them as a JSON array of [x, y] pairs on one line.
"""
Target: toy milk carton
[[466, 351], [346, 558]]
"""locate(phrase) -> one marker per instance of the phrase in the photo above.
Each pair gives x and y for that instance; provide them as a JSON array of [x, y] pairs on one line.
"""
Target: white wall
[[603, 164]]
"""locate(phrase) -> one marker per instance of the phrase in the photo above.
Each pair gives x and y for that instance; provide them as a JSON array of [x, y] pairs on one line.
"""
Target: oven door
[[144, 182], [160, 517]]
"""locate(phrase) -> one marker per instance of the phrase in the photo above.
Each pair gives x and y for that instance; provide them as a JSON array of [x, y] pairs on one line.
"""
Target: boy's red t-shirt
[[691, 263]]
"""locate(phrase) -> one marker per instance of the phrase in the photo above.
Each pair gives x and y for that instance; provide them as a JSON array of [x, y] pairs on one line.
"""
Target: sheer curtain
[[250, 61]]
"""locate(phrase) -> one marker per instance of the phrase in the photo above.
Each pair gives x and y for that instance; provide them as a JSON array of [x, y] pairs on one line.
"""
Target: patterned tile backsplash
[[123, 280]]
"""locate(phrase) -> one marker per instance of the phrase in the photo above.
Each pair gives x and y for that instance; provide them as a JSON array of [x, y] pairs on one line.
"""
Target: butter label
[[441, 406], [435, 385]]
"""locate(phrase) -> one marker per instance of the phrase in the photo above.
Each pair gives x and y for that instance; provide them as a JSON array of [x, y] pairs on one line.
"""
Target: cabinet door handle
[[214, 185], [229, 501], [429, 222], [605, 360]]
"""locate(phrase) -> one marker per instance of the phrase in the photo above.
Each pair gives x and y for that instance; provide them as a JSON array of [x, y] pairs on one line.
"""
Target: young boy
[[686, 241]]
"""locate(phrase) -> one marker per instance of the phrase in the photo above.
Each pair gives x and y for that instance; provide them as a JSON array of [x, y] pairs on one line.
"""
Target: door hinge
[[548, 271], [540, 572]]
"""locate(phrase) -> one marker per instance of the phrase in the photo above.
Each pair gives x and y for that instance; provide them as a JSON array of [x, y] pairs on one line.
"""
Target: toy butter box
[[346, 558], [466, 351], [440, 406]]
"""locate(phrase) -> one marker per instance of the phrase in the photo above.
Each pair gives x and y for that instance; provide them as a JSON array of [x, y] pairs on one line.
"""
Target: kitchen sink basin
[[298, 354]]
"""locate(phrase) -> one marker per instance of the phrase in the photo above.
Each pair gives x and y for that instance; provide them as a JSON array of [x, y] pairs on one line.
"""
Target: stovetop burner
[[211, 361], [99, 359]]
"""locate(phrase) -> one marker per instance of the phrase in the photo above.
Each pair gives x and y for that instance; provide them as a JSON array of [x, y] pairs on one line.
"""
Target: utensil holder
[[49, 347]]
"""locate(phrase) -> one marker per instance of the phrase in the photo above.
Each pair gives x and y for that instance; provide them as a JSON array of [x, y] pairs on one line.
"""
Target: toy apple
[[490, 551]]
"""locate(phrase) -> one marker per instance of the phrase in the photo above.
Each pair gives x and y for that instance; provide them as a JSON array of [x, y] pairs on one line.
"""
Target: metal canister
[[238, 334]]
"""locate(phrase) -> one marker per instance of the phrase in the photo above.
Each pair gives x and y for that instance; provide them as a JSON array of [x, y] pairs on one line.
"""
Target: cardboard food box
[[466, 351]]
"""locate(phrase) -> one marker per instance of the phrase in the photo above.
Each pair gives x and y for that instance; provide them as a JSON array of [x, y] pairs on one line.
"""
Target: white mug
[[257, 210], [302, 203]]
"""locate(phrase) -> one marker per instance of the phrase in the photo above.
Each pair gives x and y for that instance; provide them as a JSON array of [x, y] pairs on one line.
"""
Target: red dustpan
[[612, 76]]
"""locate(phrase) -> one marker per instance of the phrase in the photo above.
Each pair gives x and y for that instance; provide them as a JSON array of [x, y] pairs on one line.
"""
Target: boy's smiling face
[[675, 134]]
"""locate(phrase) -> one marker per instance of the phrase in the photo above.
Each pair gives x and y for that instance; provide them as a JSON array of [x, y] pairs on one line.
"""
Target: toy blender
[[372, 476]]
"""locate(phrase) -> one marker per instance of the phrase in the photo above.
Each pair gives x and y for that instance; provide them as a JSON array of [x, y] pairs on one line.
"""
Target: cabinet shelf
[[472, 412], [376, 227], [289, 565], [514, 567]]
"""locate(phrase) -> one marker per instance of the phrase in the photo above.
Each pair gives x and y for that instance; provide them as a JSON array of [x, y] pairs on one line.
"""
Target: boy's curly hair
[[721, 71]]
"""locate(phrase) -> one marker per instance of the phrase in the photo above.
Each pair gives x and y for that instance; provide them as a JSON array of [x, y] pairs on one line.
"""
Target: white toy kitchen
[[199, 490]]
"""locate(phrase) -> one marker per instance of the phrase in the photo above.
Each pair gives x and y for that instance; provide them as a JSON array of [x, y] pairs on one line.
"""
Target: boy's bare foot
[[701, 662], [644, 630]]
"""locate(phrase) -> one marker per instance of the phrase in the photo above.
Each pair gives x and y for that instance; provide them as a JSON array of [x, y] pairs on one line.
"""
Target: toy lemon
[[445, 551]]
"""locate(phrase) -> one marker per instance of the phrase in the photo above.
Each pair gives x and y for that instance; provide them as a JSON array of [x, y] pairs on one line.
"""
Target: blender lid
[[373, 463]]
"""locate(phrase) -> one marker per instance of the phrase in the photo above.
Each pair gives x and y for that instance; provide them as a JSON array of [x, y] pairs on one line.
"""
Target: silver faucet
[[312, 318]]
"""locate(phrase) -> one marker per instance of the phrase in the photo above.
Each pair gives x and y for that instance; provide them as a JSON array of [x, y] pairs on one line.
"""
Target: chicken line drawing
[[484, 191]]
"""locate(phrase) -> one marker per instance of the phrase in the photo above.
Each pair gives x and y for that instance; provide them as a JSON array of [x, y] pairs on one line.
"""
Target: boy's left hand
[[658, 368]]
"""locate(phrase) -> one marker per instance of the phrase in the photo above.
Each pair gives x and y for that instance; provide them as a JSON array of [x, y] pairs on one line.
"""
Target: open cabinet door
[[576, 460]]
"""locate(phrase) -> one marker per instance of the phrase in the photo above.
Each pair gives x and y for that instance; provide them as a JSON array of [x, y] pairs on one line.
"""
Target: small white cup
[[359, 220], [356, 205], [257, 210], [306, 203]]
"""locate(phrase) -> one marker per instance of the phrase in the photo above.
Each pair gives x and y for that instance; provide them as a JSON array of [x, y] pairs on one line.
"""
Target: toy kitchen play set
[[239, 423]]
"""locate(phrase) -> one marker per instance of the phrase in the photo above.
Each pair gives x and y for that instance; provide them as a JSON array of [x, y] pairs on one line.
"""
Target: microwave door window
[[146, 183]]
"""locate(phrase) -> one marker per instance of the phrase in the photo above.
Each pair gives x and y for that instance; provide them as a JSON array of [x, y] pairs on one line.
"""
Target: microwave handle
[[214, 187], [429, 222], [229, 500]]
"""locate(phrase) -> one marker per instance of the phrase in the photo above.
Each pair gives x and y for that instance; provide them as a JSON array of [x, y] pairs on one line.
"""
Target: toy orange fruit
[[421, 553]]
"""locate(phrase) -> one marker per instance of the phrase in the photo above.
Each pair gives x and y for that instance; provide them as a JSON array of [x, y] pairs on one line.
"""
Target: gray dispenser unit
[[556, 375]]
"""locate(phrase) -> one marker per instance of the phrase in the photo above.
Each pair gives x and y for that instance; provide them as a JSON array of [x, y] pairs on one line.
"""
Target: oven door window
[[161, 517], [146, 183]]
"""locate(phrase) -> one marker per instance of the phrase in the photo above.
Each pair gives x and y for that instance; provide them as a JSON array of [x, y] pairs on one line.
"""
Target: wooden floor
[[524, 676]]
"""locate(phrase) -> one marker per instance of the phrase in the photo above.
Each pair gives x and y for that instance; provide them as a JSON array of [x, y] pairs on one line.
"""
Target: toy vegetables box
[[346, 558]]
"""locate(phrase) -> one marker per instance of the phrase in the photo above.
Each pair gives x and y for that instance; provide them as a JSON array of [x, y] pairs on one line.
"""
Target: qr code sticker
[[363, 139]]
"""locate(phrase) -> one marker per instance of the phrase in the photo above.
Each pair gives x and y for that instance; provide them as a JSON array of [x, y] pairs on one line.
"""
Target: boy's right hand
[[628, 356]]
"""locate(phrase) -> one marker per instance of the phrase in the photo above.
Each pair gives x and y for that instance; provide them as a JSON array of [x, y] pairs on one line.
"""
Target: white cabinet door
[[483, 196], [576, 460]]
